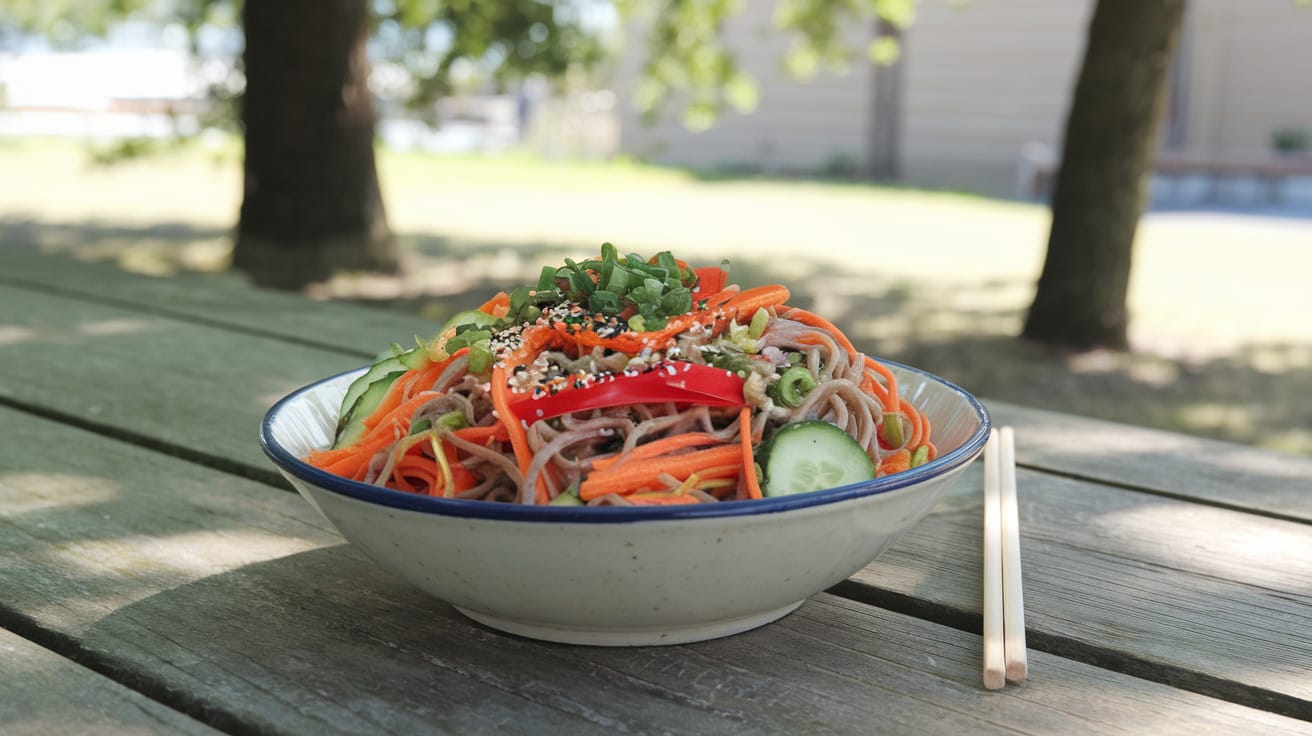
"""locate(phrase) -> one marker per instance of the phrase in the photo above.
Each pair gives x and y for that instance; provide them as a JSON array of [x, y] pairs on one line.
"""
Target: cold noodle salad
[[627, 381]]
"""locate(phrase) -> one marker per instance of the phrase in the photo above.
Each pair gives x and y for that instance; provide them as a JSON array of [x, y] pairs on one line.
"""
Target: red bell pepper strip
[[672, 381]]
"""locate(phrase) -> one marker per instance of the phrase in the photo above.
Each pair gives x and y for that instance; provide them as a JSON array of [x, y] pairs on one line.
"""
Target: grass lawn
[[1220, 304]]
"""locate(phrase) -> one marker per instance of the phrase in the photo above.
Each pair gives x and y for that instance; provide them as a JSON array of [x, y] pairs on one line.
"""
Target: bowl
[[617, 576]]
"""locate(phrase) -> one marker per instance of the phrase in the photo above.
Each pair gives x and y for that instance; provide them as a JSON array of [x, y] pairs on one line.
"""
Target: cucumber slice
[[812, 456], [352, 422], [389, 362], [358, 386]]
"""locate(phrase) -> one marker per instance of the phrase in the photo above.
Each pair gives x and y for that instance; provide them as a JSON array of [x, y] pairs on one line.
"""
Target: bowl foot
[[637, 637]]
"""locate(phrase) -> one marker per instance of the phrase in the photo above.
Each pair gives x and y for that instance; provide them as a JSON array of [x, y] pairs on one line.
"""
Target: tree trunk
[[1102, 184], [312, 203]]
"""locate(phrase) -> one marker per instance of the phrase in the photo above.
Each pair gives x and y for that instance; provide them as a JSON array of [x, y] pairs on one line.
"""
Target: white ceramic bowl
[[627, 576]]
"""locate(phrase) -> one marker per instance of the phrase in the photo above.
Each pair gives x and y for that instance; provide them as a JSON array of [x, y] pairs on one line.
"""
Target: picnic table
[[158, 576]]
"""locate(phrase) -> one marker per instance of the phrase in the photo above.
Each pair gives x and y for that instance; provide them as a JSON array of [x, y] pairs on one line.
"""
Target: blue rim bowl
[[950, 459]]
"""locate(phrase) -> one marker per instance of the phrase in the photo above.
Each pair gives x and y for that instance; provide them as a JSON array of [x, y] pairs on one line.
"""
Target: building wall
[[985, 87], [981, 82], [798, 125], [1250, 73]]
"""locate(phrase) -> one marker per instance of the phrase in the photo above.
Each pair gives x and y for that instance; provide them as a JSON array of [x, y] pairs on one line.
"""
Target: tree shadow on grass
[[960, 329]]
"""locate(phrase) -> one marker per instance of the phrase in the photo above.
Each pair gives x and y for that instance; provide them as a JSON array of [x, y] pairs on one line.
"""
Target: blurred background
[[897, 164]]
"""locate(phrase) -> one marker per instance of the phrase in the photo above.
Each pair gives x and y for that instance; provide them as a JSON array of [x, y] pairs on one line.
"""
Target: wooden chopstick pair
[[1004, 606]]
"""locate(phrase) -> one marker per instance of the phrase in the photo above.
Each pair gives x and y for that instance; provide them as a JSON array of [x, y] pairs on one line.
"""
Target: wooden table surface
[[158, 576]]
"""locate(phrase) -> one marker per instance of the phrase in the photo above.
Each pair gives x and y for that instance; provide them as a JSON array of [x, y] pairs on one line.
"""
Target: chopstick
[[1013, 597], [1004, 608]]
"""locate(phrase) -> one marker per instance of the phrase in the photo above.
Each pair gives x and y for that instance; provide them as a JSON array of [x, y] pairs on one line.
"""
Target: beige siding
[[1250, 72], [798, 126], [981, 82], [986, 80]]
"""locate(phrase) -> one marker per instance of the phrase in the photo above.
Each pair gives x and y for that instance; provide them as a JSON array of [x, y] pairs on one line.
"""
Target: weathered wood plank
[[199, 394], [43, 693], [1171, 464], [1224, 473], [1193, 594], [251, 615], [154, 378], [216, 300]]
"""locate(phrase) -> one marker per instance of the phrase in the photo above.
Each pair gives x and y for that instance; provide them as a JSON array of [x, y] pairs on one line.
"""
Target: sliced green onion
[[452, 420], [480, 356], [758, 324], [568, 497], [920, 456], [892, 430], [795, 383], [547, 280]]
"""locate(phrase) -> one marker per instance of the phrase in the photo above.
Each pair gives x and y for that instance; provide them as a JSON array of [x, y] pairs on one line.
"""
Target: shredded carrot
[[749, 461], [499, 303], [398, 416], [480, 435], [797, 314], [895, 462], [533, 340], [723, 491], [747, 302], [501, 402], [395, 396], [917, 426], [324, 458], [719, 473], [357, 460], [893, 403], [658, 447], [423, 379], [645, 474], [416, 467]]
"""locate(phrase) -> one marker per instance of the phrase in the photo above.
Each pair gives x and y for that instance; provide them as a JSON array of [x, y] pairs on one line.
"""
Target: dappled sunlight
[[1192, 297], [25, 492], [74, 526], [437, 268], [20, 334], [1144, 532], [17, 334], [165, 260], [155, 249], [199, 553], [104, 328], [1143, 369], [1214, 416], [117, 572]]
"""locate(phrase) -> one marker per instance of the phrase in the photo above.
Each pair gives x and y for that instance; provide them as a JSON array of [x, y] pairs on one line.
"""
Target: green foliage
[[688, 62], [1291, 140], [66, 22], [441, 43], [446, 43]]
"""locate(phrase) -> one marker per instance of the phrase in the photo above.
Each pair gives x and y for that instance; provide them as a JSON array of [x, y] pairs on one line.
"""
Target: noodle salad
[[627, 381]]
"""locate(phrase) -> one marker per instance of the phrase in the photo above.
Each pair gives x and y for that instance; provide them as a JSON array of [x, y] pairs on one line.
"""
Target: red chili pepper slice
[[676, 381]]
